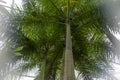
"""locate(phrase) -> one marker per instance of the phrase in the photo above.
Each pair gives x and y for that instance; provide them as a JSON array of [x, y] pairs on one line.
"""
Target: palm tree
[[69, 63], [111, 20], [43, 37], [68, 14], [8, 41]]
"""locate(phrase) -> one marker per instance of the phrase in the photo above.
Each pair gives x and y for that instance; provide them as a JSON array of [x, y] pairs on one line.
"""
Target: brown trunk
[[62, 69], [43, 65], [54, 75], [69, 64]]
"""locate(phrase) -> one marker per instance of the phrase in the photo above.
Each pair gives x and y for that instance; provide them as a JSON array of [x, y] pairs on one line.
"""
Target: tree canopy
[[40, 36]]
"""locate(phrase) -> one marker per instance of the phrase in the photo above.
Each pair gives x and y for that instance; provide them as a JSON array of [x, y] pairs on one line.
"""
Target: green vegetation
[[62, 36]]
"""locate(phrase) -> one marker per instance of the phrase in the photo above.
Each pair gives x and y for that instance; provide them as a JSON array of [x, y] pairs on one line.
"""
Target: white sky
[[9, 2], [116, 67]]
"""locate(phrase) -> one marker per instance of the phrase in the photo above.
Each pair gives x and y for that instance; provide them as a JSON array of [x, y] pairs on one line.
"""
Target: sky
[[116, 67], [9, 2]]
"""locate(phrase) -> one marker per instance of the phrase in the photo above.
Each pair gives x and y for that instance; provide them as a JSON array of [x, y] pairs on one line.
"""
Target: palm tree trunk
[[112, 38], [54, 74], [43, 66], [62, 69], [69, 63]]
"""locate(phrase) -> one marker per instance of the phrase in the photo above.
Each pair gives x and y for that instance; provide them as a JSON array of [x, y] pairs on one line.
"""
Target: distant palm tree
[[8, 42]]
